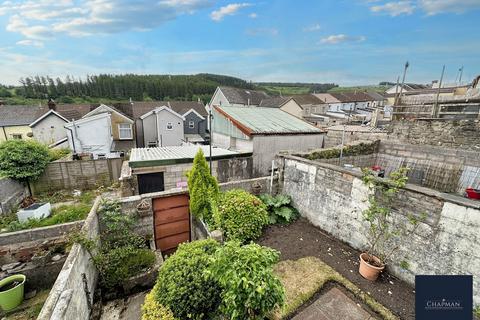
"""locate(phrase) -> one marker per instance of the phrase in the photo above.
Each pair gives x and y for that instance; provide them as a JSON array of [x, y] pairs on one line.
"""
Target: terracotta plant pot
[[368, 271]]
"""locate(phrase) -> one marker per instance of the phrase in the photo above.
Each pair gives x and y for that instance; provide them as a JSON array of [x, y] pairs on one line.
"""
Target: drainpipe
[[73, 139], [5, 133]]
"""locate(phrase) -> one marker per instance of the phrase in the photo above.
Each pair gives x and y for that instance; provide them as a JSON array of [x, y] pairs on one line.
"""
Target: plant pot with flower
[[385, 234]]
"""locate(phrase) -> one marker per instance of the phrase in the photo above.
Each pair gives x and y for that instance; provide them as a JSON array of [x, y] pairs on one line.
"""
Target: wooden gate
[[172, 222]]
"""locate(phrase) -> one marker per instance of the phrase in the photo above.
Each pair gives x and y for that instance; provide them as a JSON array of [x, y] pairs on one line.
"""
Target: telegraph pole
[[403, 80], [435, 111], [210, 119]]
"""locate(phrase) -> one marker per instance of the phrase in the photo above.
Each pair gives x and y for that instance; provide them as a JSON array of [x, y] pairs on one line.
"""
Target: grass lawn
[[304, 277], [287, 90]]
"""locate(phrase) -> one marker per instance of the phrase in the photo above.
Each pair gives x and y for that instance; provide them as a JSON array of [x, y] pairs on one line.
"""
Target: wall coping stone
[[409, 187]]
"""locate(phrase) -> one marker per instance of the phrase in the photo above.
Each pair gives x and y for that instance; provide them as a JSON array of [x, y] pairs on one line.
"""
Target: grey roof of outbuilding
[[274, 102], [243, 96], [20, 115]]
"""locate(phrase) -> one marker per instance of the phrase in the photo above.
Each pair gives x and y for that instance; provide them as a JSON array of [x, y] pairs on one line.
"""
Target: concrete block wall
[[11, 193], [333, 199], [68, 298], [334, 137]]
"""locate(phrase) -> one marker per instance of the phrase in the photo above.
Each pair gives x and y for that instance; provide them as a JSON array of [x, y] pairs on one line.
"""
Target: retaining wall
[[333, 199]]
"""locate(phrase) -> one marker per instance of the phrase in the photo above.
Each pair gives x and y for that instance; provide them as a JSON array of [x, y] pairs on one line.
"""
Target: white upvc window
[[125, 131], [169, 126], [191, 124]]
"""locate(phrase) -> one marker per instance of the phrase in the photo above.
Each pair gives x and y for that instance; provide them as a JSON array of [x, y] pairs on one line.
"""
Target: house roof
[[326, 97], [243, 96], [88, 119], [20, 115], [74, 111], [258, 120], [46, 114], [307, 99], [351, 96], [161, 109], [136, 109], [159, 156], [375, 96], [107, 109], [274, 102]]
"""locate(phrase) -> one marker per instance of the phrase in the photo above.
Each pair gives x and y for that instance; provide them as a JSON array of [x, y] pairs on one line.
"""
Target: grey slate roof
[[376, 96], [274, 102], [243, 96], [20, 115], [307, 99], [139, 108]]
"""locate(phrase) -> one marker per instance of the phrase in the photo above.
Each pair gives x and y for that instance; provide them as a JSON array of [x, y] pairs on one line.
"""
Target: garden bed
[[302, 239]]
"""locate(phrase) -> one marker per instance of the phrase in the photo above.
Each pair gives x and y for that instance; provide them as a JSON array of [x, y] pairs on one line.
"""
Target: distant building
[[311, 104], [15, 121], [49, 129], [287, 104], [162, 127], [236, 97]]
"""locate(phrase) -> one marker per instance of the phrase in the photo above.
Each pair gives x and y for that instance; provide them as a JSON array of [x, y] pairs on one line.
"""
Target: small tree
[[385, 235], [23, 160], [203, 188]]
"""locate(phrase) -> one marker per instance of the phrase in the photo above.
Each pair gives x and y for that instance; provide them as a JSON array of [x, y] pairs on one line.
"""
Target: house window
[[17, 136], [169, 126], [125, 131], [191, 124]]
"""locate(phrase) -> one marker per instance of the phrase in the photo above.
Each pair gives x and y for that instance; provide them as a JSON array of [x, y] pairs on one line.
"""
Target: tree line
[[124, 87]]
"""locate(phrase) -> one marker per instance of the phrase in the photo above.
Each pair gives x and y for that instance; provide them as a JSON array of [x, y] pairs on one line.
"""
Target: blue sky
[[348, 42]]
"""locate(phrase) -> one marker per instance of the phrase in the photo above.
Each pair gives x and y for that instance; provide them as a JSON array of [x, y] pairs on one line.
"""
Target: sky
[[348, 42]]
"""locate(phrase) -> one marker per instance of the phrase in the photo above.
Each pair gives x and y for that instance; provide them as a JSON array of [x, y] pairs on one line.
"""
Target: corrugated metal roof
[[145, 157], [267, 120]]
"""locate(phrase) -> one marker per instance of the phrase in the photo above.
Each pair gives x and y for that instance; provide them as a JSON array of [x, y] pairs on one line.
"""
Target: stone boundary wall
[[462, 134], [11, 193], [334, 137], [333, 199], [68, 298], [78, 174]]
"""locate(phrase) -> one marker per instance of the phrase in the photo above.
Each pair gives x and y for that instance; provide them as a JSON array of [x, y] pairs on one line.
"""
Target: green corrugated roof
[[147, 157], [269, 120]]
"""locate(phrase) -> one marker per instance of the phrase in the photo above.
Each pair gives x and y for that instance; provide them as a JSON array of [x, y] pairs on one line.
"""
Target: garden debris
[[30, 294], [57, 257], [10, 266]]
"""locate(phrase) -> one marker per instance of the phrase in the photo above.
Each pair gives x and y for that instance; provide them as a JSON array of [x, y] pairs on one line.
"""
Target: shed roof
[[160, 156], [258, 120]]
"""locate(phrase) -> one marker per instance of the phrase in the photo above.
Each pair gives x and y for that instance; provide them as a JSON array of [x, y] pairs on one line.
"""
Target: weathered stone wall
[[463, 134], [11, 193], [352, 134], [68, 298], [81, 174], [333, 198]]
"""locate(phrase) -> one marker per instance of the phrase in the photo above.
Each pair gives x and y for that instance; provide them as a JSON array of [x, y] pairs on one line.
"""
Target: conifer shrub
[[152, 310]]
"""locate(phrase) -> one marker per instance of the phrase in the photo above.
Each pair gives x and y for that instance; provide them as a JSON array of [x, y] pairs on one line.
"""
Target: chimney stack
[[51, 104]]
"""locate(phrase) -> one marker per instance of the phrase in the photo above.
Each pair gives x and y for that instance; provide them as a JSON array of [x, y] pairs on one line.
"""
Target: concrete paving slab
[[333, 305], [124, 309]]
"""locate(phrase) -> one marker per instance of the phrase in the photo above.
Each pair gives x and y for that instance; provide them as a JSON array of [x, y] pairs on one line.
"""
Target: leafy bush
[[121, 263], [203, 188], [250, 290], [240, 215], [152, 310], [182, 284], [23, 160], [279, 208]]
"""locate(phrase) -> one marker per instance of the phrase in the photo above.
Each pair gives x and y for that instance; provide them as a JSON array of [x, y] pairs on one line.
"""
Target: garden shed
[[163, 168]]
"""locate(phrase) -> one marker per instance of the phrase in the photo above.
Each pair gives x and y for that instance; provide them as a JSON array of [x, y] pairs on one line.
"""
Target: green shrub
[[250, 290], [152, 310], [58, 153], [279, 208], [203, 189], [241, 215], [182, 284], [121, 263]]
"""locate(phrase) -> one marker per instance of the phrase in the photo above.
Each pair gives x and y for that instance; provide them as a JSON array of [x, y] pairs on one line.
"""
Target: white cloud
[[394, 8], [262, 32], [341, 38], [432, 7], [41, 19], [32, 43], [227, 10], [312, 28], [253, 15]]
